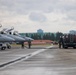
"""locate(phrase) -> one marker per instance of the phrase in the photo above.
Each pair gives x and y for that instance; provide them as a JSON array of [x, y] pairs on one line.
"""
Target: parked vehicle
[[68, 40]]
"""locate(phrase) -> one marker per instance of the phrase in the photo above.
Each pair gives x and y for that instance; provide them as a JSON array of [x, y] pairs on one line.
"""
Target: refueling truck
[[67, 40]]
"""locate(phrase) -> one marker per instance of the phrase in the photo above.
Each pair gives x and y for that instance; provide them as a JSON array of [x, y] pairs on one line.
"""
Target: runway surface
[[40, 60]]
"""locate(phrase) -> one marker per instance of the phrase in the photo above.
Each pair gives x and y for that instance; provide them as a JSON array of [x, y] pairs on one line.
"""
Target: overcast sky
[[31, 15]]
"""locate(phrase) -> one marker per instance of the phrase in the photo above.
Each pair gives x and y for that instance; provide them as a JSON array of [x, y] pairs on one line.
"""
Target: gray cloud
[[22, 6], [25, 6], [72, 15], [37, 17], [14, 11]]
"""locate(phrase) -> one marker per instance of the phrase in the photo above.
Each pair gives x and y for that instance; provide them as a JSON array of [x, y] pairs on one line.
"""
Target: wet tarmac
[[44, 61]]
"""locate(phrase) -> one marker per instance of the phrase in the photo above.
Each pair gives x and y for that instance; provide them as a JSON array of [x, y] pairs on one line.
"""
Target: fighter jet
[[8, 33], [15, 33], [16, 36], [27, 39]]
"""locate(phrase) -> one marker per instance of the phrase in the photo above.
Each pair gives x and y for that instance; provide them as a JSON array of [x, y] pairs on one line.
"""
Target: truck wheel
[[74, 47], [65, 47]]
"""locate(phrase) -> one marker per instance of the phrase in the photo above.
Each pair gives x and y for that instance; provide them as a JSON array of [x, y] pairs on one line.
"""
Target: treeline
[[45, 36]]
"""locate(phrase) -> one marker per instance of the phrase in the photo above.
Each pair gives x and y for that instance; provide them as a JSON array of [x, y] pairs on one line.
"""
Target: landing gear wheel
[[8, 47], [3, 48]]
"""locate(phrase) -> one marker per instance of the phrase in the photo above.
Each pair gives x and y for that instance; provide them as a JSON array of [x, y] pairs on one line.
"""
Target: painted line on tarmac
[[27, 56]]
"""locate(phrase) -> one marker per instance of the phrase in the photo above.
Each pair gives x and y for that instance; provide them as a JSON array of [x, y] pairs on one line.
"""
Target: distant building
[[40, 31], [72, 32]]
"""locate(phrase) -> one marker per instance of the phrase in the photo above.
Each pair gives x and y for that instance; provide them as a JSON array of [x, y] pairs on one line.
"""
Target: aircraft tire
[[3, 48], [9, 47]]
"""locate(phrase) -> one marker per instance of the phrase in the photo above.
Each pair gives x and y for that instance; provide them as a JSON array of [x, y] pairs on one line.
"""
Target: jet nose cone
[[31, 39], [17, 38], [28, 38], [20, 39]]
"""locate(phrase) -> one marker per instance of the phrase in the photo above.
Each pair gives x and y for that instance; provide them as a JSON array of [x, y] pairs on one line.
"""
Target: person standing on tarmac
[[22, 44], [60, 41], [59, 44], [29, 44]]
